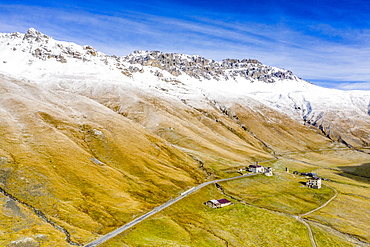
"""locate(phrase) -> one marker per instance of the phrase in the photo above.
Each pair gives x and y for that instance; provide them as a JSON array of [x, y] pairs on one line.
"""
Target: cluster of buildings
[[220, 203], [313, 182]]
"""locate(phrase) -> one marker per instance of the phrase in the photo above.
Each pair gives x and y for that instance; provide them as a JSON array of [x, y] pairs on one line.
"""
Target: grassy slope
[[347, 213], [24, 222], [280, 193], [184, 126], [324, 238], [92, 170], [83, 165], [222, 137], [354, 131], [279, 132], [191, 223]]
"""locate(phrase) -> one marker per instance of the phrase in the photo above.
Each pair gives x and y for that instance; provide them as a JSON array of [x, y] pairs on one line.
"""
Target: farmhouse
[[218, 203], [256, 169], [314, 183]]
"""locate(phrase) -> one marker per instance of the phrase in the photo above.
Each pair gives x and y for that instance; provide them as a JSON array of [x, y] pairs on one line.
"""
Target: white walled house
[[218, 203], [314, 183]]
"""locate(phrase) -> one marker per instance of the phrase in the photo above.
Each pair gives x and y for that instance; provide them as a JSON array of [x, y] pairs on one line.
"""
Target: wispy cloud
[[343, 85], [316, 57], [355, 86]]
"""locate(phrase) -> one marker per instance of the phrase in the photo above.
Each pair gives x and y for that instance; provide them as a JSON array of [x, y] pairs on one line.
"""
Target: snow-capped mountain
[[30, 54], [89, 141], [341, 115]]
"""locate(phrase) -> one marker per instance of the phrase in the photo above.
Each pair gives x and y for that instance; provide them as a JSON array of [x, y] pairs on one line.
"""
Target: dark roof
[[223, 201], [312, 174], [255, 166]]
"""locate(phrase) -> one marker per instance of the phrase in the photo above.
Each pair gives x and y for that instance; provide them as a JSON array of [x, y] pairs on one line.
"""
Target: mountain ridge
[[82, 69], [45, 47], [94, 140]]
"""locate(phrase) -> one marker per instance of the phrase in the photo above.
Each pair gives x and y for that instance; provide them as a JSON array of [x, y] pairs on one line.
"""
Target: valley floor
[[266, 211], [270, 211]]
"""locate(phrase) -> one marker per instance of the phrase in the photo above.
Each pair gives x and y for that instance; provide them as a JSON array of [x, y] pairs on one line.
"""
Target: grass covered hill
[[75, 166]]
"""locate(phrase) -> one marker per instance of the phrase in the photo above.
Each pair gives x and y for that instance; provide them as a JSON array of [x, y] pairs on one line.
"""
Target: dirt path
[[310, 234], [297, 217], [324, 205], [350, 238], [186, 193], [304, 221]]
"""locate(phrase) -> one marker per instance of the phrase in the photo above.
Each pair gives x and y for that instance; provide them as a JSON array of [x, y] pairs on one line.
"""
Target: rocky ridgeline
[[44, 47], [200, 67]]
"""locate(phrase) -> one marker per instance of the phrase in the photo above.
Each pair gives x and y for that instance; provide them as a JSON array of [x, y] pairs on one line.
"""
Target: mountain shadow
[[358, 173]]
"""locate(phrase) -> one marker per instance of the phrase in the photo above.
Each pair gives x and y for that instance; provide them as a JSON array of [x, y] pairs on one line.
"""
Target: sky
[[324, 41]]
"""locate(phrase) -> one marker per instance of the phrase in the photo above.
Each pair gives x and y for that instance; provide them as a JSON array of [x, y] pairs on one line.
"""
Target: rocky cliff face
[[201, 68], [44, 47]]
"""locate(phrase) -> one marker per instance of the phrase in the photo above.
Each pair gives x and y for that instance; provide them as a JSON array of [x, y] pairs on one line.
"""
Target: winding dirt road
[[300, 219]]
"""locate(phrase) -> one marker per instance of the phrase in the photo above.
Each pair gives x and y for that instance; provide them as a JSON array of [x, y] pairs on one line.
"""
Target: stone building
[[314, 183]]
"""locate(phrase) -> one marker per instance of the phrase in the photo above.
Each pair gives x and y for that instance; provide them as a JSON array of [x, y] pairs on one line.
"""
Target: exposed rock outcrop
[[24, 242], [202, 68]]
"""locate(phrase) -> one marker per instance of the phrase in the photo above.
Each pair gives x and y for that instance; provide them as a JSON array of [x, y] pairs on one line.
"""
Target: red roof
[[223, 201]]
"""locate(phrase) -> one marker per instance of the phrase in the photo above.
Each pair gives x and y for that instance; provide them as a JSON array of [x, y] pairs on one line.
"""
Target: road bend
[[159, 208]]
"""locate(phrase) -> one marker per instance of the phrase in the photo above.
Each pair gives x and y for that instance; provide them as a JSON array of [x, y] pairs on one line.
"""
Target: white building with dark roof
[[218, 203], [314, 183], [256, 169]]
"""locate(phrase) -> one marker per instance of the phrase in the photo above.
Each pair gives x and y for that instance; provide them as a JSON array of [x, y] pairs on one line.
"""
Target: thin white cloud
[[354, 86]]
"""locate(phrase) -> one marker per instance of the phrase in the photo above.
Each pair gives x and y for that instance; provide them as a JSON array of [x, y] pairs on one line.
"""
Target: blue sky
[[326, 42]]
